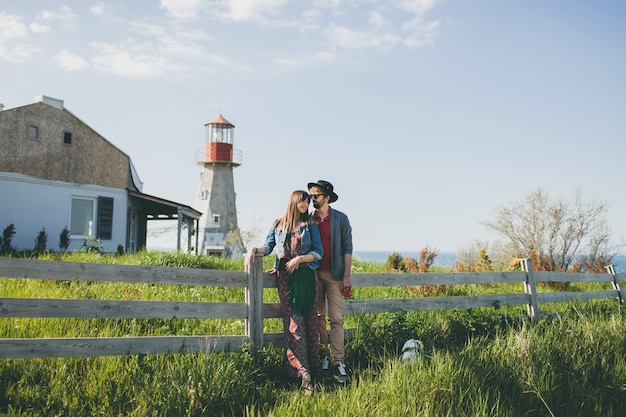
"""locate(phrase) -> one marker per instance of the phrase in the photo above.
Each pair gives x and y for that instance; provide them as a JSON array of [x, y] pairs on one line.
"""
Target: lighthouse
[[218, 230]]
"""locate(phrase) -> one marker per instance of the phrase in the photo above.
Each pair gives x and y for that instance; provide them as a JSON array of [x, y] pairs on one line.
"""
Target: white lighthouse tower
[[218, 228]]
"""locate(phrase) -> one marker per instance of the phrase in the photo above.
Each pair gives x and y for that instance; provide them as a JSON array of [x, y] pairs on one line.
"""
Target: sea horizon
[[445, 259]]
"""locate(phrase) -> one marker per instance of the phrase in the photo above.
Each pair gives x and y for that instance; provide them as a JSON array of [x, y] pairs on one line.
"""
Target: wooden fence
[[253, 310]]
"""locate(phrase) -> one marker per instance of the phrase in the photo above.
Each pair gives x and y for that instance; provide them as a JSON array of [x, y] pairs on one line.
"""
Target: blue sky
[[426, 115]]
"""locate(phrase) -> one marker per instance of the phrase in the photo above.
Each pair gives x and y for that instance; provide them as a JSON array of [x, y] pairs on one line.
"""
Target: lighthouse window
[[67, 138], [216, 219], [220, 134], [204, 194]]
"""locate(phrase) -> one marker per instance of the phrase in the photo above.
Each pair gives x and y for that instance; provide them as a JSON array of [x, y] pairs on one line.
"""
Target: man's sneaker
[[325, 363], [340, 373]]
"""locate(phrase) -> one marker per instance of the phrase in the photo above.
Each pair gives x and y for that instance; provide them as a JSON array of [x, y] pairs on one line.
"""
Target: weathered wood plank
[[430, 278], [269, 281], [75, 271], [571, 277], [276, 339], [115, 346], [272, 310], [38, 307], [559, 297], [431, 303]]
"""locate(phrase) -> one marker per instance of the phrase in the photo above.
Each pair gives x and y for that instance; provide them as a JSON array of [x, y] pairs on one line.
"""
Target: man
[[334, 274]]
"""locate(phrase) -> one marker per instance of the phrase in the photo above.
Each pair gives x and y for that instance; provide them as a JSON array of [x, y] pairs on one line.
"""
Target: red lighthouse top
[[220, 130], [219, 137]]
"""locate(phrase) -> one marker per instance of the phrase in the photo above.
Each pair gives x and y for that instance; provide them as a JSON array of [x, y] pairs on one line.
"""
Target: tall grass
[[479, 362]]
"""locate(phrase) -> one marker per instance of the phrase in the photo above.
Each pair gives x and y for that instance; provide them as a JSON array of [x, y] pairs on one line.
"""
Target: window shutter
[[105, 218]]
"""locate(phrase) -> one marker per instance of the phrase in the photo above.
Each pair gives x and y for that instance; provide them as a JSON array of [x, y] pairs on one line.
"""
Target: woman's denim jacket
[[311, 243]]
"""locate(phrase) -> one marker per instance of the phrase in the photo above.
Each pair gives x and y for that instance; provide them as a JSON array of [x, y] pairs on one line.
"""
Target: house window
[[67, 138], [216, 219], [81, 222], [105, 218], [33, 132]]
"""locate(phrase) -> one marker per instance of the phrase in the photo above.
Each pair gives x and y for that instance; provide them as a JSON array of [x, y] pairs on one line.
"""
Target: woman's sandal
[[306, 386]]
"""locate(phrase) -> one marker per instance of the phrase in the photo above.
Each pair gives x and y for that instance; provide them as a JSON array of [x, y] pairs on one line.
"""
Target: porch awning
[[159, 208]]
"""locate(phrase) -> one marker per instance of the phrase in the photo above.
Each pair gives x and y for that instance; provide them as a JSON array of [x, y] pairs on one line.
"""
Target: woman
[[298, 250]]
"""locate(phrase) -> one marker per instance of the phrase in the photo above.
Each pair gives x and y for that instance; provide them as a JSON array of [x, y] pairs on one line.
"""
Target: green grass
[[477, 362]]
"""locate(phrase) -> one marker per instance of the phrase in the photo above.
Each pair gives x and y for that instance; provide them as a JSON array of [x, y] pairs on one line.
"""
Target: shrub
[[7, 237], [394, 263], [64, 239], [41, 241], [92, 244]]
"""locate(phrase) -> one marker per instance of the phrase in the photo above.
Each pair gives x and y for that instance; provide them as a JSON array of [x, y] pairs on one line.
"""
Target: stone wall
[[89, 159]]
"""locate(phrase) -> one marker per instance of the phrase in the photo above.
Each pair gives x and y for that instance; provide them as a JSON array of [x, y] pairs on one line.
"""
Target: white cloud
[[100, 9], [419, 7], [425, 35], [377, 19], [305, 60], [348, 38], [131, 60], [182, 9], [158, 50], [15, 45], [387, 25], [37, 28], [65, 15], [253, 9], [69, 61], [180, 42], [12, 26], [156, 45]]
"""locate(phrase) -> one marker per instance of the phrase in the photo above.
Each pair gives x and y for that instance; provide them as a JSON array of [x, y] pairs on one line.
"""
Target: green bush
[[64, 239], [7, 237], [41, 241]]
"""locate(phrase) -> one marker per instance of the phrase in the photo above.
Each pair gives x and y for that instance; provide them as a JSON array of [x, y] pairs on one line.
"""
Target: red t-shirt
[[324, 226]]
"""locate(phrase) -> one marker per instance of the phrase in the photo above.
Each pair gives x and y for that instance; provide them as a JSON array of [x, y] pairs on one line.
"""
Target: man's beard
[[316, 205]]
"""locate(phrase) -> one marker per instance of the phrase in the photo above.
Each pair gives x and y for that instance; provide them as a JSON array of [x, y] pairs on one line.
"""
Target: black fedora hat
[[327, 187]]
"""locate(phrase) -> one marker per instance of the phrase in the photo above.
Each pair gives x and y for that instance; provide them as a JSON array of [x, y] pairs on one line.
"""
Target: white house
[[56, 173]]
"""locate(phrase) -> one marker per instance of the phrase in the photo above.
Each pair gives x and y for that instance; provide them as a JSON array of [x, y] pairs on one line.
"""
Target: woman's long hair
[[292, 218]]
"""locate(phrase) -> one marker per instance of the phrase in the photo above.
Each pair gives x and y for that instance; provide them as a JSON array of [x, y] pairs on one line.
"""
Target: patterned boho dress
[[298, 294]]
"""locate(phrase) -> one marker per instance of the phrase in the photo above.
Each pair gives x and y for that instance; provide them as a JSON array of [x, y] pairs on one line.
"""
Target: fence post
[[611, 270], [254, 300], [530, 288]]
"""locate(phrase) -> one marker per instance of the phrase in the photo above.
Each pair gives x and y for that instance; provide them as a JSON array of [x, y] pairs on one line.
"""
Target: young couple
[[313, 263]]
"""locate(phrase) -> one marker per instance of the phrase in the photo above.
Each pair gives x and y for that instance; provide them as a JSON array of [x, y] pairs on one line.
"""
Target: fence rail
[[253, 310]]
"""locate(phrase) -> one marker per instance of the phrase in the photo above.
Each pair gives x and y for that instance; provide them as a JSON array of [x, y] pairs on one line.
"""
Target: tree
[[563, 234], [482, 256], [251, 236]]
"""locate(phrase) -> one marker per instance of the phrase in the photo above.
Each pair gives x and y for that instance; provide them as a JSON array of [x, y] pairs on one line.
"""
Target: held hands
[[293, 264]]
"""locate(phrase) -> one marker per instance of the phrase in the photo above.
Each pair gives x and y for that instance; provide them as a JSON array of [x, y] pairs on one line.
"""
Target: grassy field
[[479, 362]]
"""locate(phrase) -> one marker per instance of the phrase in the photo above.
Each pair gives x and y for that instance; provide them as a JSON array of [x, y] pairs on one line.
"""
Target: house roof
[[160, 208]]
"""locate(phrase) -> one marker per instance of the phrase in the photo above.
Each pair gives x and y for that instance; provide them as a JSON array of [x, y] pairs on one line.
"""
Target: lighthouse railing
[[201, 157]]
